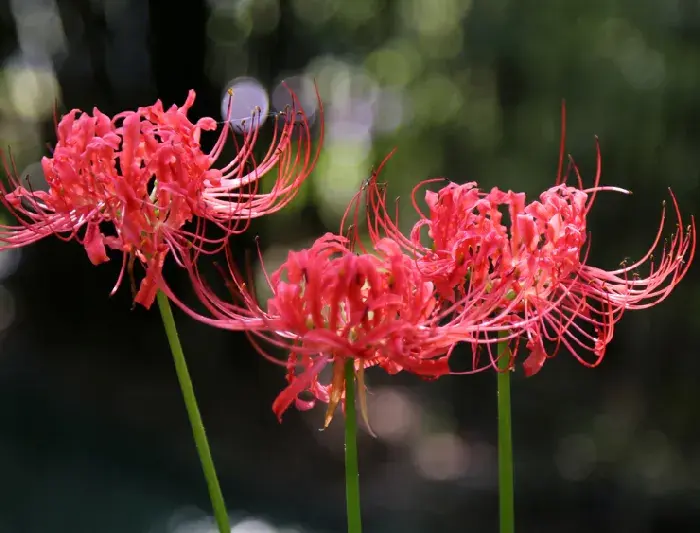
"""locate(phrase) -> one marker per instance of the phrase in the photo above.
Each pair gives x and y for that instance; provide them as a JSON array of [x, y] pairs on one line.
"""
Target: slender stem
[[505, 442], [200, 436], [352, 473]]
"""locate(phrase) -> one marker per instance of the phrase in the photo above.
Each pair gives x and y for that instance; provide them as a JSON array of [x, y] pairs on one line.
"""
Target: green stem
[[352, 472], [200, 436], [505, 442]]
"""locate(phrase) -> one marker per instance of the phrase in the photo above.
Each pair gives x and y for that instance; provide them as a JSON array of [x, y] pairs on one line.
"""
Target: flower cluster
[[133, 181], [496, 269], [480, 268]]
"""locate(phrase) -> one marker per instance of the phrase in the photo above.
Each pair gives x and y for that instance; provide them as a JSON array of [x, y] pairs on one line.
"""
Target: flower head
[[330, 304], [132, 182], [591, 300], [527, 274]]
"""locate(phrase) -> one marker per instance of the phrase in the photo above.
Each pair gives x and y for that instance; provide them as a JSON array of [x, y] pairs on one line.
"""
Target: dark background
[[93, 433]]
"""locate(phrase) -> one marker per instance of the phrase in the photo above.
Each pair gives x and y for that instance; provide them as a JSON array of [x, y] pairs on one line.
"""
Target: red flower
[[590, 299], [530, 277], [145, 175], [330, 304]]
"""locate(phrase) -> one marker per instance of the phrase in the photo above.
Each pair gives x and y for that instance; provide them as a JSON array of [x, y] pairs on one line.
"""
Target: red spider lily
[[144, 173], [591, 298], [330, 304], [594, 299], [540, 260]]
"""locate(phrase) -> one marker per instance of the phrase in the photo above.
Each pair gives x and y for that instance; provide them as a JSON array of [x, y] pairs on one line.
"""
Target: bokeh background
[[93, 433]]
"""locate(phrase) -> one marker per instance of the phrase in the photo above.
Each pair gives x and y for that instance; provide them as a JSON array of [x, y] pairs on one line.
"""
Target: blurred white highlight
[[249, 104]]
